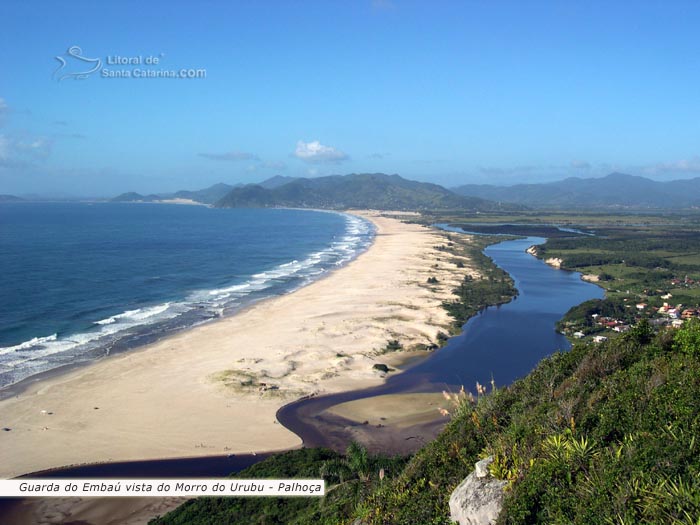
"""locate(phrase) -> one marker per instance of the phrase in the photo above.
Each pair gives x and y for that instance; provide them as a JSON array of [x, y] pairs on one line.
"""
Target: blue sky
[[448, 92]]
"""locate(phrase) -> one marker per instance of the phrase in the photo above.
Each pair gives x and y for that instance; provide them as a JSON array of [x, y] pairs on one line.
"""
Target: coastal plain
[[215, 389]]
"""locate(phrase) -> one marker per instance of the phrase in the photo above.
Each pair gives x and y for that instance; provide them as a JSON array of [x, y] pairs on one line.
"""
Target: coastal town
[[669, 314]]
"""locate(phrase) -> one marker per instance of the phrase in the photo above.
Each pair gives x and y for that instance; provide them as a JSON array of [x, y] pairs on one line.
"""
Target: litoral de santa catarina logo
[[73, 64]]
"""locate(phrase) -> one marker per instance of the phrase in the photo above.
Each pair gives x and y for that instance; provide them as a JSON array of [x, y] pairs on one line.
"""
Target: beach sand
[[395, 410], [215, 389]]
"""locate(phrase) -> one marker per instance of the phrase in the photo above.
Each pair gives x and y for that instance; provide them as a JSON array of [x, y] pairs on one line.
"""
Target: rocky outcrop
[[478, 499]]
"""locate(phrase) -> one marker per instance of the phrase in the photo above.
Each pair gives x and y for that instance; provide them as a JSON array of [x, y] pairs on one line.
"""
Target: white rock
[[478, 499], [481, 468]]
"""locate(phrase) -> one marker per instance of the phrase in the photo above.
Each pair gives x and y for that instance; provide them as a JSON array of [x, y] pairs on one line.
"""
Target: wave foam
[[42, 353]]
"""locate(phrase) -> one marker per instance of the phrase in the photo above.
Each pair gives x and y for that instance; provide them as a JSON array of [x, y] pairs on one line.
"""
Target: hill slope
[[616, 190], [601, 434], [277, 181], [132, 196], [376, 191], [208, 195]]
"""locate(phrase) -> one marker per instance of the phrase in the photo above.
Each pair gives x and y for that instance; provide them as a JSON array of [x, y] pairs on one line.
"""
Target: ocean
[[79, 281]]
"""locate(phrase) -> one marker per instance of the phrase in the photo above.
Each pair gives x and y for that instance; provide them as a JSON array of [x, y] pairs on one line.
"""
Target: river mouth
[[500, 344]]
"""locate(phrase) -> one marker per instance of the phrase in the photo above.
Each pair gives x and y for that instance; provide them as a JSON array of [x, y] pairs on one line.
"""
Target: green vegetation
[[603, 434], [392, 345], [493, 286], [359, 191], [578, 219], [645, 265], [350, 479]]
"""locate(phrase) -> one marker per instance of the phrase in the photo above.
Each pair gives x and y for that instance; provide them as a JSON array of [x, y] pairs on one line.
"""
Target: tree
[[687, 339], [642, 332]]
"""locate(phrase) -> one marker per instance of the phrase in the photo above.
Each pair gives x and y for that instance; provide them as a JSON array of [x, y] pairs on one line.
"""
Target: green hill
[[132, 196], [375, 191], [602, 434], [206, 196], [276, 181]]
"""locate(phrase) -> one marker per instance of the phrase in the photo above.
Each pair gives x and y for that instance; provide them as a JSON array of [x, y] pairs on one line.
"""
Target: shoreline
[[17, 388], [556, 262], [353, 310], [195, 311]]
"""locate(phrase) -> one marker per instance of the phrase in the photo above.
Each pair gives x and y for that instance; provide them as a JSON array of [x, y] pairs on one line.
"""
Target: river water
[[502, 343]]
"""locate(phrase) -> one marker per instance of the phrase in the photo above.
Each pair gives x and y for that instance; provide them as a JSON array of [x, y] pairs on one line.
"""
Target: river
[[502, 343]]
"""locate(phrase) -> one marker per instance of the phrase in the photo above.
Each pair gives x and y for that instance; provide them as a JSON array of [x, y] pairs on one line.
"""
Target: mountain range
[[206, 196], [616, 190], [364, 190], [379, 191]]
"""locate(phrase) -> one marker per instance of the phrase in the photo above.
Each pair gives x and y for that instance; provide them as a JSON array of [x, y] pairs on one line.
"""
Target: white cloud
[[229, 156], [314, 151], [689, 166], [38, 148], [15, 150]]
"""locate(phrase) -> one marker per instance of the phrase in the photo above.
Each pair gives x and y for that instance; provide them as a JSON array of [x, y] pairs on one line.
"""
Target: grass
[[602, 434]]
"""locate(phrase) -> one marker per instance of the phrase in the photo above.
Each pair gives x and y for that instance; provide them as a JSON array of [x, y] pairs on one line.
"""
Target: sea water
[[81, 280]]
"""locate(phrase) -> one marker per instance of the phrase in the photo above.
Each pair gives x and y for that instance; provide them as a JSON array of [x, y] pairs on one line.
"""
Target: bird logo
[[74, 56]]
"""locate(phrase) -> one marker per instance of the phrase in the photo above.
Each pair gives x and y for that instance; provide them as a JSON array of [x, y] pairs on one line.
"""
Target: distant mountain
[[9, 198], [366, 190], [277, 181], [616, 190], [208, 195], [132, 196]]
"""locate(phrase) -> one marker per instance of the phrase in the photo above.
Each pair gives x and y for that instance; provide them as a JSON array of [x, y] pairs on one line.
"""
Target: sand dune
[[215, 389]]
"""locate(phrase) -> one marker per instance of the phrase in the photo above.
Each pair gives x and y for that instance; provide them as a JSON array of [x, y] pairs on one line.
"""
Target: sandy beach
[[215, 389]]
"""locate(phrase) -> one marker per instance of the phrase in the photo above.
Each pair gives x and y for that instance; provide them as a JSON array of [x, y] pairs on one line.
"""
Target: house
[[676, 323], [641, 306], [599, 339], [621, 328], [688, 313], [579, 335]]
